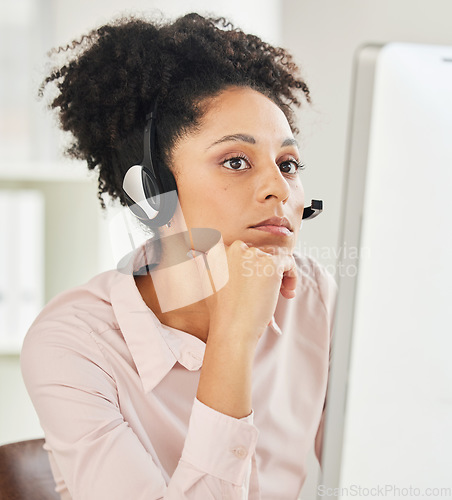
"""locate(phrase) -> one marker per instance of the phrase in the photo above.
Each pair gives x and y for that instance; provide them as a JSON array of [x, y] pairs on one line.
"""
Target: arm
[[239, 313], [100, 457], [226, 374]]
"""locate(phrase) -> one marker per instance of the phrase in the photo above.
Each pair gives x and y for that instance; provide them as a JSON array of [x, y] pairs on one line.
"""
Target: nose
[[273, 184]]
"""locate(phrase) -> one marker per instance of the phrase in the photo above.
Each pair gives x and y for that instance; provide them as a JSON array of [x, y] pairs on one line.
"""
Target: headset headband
[[149, 140]]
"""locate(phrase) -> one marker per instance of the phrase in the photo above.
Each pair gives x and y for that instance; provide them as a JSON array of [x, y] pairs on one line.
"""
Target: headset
[[151, 193]]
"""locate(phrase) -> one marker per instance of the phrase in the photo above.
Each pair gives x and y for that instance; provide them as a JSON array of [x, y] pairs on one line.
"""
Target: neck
[[193, 319], [176, 278]]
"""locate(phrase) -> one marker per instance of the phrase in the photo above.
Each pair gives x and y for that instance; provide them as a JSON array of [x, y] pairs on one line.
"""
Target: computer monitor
[[389, 405]]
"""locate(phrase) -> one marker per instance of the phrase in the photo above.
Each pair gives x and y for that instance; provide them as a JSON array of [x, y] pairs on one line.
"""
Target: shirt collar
[[275, 326], [155, 347], [139, 327]]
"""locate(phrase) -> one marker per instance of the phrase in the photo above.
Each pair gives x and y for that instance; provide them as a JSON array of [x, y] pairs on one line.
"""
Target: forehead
[[242, 109]]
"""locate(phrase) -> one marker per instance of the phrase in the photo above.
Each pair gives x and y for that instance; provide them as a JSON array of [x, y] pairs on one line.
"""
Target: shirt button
[[240, 452]]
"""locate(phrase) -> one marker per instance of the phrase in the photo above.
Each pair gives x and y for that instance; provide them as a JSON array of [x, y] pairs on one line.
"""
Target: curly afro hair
[[115, 73]]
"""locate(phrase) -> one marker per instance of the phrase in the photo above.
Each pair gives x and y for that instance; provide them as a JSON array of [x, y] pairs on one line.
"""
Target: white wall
[[73, 18]]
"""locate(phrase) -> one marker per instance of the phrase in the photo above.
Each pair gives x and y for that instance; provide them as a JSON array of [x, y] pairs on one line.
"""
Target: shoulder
[[63, 357], [87, 307], [64, 331]]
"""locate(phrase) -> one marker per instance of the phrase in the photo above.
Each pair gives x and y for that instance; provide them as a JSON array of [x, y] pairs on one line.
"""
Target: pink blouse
[[115, 392]]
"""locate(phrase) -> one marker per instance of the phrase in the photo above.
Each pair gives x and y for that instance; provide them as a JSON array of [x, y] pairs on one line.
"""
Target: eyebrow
[[290, 141]]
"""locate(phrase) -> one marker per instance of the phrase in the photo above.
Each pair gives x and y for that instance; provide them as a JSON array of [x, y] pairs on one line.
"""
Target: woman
[[224, 397]]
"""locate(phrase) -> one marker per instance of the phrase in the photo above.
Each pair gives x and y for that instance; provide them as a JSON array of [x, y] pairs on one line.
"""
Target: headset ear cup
[[168, 182], [135, 194], [142, 192], [151, 189], [161, 198], [135, 208], [168, 205]]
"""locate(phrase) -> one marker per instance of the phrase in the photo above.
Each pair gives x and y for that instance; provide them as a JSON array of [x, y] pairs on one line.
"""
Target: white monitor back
[[389, 417]]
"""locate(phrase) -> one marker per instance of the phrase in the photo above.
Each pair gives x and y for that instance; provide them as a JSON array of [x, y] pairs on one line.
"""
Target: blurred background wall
[[323, 35]]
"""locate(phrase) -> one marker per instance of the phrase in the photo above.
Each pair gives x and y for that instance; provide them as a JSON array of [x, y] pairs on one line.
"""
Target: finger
[[285, 264], [289, 282], [288, 294]]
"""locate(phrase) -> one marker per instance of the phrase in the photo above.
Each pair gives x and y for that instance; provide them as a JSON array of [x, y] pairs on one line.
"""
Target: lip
[[274, 221], [279, 230], [275, 225]]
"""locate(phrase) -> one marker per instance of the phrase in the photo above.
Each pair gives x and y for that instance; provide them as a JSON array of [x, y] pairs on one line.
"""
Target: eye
[[291, 166], [236, 163]]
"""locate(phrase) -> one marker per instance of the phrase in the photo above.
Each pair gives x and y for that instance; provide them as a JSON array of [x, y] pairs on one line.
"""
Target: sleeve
[[328, 291], [99, 455]]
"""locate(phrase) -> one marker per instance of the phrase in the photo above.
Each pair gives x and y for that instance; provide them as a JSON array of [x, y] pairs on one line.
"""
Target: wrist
[[237, 336]]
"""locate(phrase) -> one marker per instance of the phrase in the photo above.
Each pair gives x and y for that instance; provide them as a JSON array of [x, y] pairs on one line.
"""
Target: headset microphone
[[315, 209]]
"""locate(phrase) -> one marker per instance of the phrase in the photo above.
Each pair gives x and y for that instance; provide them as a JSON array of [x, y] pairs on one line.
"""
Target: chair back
[[25, 472]]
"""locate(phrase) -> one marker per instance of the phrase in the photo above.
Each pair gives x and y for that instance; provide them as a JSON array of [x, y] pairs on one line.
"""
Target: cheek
[[201, 198], [297, 198]]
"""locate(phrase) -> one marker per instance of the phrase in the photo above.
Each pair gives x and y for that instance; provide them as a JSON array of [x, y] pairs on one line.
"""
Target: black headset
[[151, 193]]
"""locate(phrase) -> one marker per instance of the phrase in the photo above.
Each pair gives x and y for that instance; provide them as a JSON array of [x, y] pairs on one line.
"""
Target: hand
[[256, 276], [288, 283]]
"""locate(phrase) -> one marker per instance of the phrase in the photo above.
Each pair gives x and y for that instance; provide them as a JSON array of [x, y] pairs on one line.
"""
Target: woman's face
[[239, 169]]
